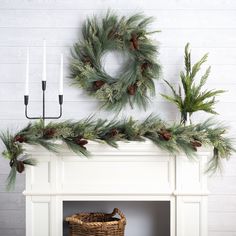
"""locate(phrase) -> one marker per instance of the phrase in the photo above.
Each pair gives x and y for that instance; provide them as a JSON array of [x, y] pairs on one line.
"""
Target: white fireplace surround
[[134, 171]]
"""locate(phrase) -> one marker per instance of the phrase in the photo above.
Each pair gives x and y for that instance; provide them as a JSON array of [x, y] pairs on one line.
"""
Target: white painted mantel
[[135, 171]]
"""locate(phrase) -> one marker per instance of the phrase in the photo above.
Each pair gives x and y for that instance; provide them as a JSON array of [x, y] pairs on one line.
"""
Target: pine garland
[[135, 81], [174, 138]]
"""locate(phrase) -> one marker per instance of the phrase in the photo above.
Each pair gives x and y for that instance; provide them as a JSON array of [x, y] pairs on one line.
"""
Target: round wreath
[[128, 35]]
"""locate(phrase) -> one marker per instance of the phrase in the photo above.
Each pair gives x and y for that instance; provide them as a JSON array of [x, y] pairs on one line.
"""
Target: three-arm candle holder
[[26, 96], [43, 117]]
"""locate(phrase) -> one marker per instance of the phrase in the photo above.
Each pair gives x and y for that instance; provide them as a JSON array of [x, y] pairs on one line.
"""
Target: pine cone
[[165, 134], [19, 138], [77, 139], [20, 167], [132, 89], [87, 61], [114, 132], [49, 133], [134, 41], [144, 66], [98, 84], [80, 141], [195, 144]]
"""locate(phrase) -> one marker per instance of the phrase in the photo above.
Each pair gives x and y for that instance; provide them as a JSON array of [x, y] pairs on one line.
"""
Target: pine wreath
[[126, 35]]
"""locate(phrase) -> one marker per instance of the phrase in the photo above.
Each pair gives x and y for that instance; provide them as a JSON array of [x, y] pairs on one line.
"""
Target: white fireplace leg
[[191, 212], [38, 216], [191, 196], [44, 216]]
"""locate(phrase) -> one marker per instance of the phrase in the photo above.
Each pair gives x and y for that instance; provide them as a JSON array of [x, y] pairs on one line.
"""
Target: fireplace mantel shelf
[[134, 171]]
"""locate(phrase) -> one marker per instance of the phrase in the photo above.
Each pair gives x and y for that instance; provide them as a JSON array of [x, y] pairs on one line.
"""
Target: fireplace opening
[[144, 218]]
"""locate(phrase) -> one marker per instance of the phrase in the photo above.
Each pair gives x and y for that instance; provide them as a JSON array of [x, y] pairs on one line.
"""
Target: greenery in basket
[[190, 97]]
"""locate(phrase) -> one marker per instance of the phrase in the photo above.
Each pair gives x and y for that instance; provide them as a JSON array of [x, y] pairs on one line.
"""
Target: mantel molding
[[98, 148], [175, 193]]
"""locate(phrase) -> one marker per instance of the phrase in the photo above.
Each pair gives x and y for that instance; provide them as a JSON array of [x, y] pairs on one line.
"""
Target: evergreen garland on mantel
[[173, 138]]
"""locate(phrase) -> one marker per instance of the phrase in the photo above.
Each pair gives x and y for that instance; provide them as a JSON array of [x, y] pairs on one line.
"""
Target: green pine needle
[[11, 179]]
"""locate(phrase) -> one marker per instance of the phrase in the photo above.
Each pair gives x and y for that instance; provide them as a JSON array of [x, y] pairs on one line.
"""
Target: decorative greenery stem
[[189, 97]]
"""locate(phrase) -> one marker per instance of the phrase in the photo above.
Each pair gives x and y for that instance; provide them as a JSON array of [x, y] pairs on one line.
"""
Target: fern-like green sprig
[[190, 97]]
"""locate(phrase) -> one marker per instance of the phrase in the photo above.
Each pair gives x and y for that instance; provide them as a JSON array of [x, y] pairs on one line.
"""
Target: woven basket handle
[[119, 212], [73, 219]]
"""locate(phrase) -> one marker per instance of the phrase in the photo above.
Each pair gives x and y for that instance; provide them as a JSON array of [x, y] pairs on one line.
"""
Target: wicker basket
[[97, 224]]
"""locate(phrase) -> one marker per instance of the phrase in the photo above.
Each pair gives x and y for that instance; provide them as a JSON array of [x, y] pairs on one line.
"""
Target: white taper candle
[[61, 77], [27, 74], [44, 75]]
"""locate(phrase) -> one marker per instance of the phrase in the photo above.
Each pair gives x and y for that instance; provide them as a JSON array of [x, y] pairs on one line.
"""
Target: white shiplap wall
[[210, 26]]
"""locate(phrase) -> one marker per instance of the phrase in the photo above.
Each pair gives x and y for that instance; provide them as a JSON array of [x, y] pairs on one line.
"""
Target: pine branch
[[190, 98], [11, 179]]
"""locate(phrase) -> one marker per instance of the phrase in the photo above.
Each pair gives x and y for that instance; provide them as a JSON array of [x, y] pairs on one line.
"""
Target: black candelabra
[[43, 117]]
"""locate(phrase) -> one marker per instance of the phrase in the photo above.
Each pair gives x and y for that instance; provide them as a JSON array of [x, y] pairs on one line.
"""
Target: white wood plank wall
[[210, 26]]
